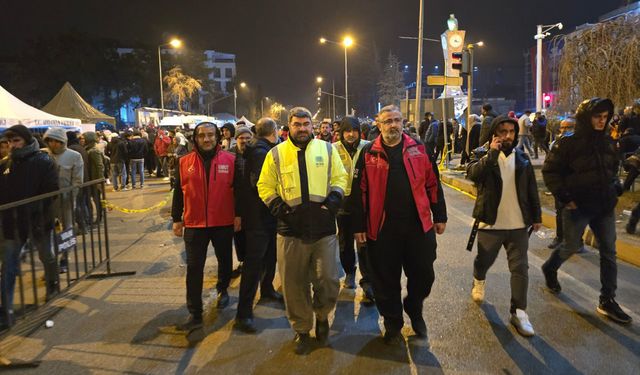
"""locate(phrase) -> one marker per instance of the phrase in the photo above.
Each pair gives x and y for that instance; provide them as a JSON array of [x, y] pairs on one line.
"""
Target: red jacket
[[370, 186], [160, 146], [207, 204]]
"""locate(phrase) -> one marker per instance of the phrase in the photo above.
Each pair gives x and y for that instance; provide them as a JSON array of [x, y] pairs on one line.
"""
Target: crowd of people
[[306, 200]]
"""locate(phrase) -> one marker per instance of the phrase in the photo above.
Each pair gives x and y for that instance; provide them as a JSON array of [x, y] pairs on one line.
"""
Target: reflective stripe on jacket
[[207, 204]]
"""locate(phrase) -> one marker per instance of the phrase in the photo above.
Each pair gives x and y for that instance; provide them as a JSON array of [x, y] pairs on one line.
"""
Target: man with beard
[[203, 208], [395, 191], [506, 206], [303, 182], [582, 173], [349, 148], [325, 131]]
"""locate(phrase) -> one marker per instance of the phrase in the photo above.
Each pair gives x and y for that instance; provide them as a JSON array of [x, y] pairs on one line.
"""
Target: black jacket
[[117, 151], [255, 214], [137, 148], [582, 167], [26, 173], [484, 171], [485, 128]]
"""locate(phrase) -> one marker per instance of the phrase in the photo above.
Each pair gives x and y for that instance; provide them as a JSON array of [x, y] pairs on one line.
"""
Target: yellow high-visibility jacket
[[348, 162]]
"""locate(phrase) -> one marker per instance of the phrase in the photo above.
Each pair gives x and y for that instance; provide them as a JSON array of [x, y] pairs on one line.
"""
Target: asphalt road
[[125, 325]]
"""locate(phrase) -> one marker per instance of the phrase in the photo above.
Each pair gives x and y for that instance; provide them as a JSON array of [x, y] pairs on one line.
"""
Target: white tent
[[13, 111]]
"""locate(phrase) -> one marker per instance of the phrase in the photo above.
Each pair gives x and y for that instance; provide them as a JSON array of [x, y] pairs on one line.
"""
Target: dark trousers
[[240, 242], [516, 243], [603, 227], [559, 226], [196, 242], [346, 242], [407, 248], [631, 177], [540, 143], [259, 267]]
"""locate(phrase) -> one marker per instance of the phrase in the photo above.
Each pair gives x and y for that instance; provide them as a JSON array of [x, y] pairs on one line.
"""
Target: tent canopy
[[14, 111], [69, 103]]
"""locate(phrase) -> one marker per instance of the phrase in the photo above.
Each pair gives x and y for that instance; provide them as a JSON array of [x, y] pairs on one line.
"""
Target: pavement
[[127, 324]]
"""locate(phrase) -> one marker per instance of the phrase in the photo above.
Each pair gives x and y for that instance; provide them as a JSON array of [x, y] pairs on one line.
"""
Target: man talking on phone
[[507, 205]]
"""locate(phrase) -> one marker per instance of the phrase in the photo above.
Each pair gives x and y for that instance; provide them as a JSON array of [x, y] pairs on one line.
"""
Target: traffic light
[[461, 61], [546, 98]]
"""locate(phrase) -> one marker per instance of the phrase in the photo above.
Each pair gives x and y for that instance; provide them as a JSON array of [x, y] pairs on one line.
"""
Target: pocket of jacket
[[288, 177]]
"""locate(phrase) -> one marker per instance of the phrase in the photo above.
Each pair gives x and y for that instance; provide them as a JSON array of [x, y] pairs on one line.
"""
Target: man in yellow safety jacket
[[303, 182]]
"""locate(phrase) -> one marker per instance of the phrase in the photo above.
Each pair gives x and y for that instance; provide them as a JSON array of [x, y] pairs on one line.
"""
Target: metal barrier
[[69, 231]]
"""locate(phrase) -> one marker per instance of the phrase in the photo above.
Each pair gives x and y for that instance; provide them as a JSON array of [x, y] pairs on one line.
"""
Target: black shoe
[[192, 323], [610, 308], [555, 243], [551, 279], [419, 326], [223, 300], [368, 297], [245, 325], [393, 338], [303, 343], [631, 225], [237, 272], [350, 281], [322, 332], [271, 295]]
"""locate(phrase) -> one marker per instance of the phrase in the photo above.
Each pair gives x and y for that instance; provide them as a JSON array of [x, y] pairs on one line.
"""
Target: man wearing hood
[[96, 169], [70, 172], [506, 206], [582, 173], [228, 141], [259, 227], [349, 148], [27, 172], [302, 182], [398, 207], [203, 212]]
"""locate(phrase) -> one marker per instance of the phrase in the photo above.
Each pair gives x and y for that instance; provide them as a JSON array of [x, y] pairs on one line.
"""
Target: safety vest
[[280, 175], [348, 162]]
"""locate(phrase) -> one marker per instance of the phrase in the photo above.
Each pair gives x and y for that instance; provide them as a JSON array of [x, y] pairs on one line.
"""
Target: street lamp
[[470, 48], [541, 33], [262, 105], [319, 79], [175, 43], [347, 42], [235, 98]]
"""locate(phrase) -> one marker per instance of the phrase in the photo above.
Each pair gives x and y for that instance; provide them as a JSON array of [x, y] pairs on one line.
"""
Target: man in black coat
[[26, 173], [260, 228], [487, 119], [507, 205], [582, 173]]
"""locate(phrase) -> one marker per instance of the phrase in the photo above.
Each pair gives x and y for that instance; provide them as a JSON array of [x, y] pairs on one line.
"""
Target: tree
[[391, 84], [181, 86]]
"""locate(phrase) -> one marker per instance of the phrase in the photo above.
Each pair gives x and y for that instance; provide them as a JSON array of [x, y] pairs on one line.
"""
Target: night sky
[[276, 41]]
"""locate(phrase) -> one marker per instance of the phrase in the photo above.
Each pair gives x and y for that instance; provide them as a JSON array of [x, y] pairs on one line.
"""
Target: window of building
[[228, 72], [216, 72]]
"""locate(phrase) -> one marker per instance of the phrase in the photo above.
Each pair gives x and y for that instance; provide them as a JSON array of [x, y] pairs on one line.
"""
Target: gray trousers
[[302, 265], [516, 243]]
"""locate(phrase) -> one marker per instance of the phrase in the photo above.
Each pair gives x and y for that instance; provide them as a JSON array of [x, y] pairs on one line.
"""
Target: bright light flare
[[347, 41], [175, 43]]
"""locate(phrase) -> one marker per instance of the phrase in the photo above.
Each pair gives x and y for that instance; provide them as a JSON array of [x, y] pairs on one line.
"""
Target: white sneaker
[[520, 320], [477, 292]]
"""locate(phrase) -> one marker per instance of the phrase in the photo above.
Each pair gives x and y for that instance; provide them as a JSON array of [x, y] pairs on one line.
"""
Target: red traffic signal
[[461, 61]]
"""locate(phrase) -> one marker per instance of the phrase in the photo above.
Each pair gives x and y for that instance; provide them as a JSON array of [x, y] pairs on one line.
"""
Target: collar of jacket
[[26, 151]]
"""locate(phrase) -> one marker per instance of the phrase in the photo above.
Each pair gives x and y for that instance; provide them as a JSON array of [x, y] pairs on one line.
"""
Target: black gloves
[[278, 208], [333, 202]]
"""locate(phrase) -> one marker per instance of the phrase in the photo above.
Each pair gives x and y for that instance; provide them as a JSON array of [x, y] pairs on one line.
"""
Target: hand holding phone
[[496, 143]]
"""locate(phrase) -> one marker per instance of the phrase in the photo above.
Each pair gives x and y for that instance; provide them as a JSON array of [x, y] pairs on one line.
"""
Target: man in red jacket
[[203, 208], [160, 146], [395, 190]]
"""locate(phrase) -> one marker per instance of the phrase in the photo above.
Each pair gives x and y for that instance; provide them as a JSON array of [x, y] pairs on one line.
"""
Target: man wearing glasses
[[395, 191]]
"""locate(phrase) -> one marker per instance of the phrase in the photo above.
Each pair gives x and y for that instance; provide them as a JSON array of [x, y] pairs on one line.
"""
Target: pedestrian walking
[[203, 212], [506, 206], [303, 183], [243, 135], [259, 226], [524, 133], [582, 173], [487, 119], [394, 194]]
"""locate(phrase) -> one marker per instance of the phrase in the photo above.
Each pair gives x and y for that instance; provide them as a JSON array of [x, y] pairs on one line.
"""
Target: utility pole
[[333, 81], [346, 83], [418, 110], [469, 96], [539, 69]]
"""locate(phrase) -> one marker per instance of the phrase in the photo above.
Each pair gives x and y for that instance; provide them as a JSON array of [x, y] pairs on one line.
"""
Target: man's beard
[[392, 136], [507, 147], [302, 137]]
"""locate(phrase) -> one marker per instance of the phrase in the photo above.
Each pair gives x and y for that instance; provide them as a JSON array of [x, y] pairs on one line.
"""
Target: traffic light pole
[[469, 98], [419, 65]]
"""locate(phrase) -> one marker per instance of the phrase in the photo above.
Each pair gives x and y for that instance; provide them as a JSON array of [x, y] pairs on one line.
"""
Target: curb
[[625, 251]]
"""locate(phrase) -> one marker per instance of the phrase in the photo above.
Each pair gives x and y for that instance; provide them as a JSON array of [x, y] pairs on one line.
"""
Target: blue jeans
[[11, 266], [525, 142], [137, 165], [604, 229], [119, 169]]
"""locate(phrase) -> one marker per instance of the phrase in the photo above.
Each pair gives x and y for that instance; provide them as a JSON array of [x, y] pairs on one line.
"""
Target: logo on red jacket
[[223, 168], [191, 169]]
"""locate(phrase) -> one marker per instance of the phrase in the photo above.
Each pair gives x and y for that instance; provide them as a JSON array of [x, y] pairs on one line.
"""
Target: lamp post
[[470, 48], [235, 98], [262, 105], [346, 43], [175, 43], [541, 33]]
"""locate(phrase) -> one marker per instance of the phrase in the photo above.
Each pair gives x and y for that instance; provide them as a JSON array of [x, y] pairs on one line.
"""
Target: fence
[[67, 230]]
